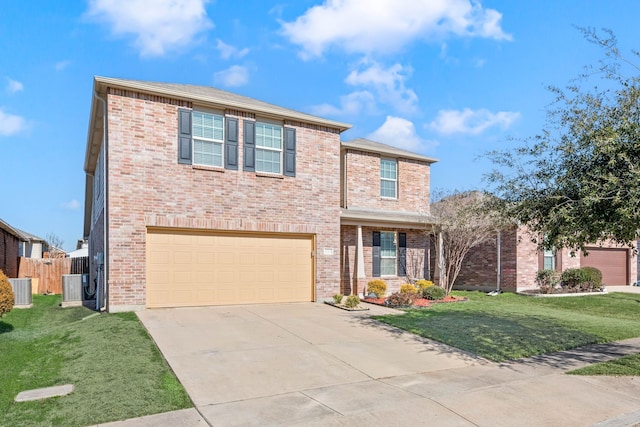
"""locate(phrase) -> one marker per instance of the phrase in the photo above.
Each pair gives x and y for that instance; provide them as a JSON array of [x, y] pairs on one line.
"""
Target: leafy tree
[[463, 220], [578, 181]]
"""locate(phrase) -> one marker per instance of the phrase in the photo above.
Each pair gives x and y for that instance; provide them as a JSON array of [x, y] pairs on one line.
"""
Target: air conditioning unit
[[22, 291], [76, 290], [71, 290]]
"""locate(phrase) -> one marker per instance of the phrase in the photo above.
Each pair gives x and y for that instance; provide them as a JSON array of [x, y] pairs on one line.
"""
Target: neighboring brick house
[[520, 261], [385, 215], [16, 243], [196, 196], [10, 240]]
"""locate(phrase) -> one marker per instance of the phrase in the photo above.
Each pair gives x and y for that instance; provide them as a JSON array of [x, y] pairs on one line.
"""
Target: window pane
[[267, 161], [388, 267], [549, 262], [388, 169], [207, 153], [387, 246], [208, 126], [388, 188], [269, 136]]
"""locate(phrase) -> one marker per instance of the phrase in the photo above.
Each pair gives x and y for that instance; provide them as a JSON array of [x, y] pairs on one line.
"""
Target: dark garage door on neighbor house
[[613, 262]]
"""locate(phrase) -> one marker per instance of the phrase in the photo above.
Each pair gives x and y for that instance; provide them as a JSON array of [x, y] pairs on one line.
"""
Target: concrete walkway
[[312, 364]]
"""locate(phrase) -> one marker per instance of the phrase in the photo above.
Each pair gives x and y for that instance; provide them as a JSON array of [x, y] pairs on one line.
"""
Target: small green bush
[[337, 298], [352, 301], [433, 293], [423, 283], [408, 289], [594, 278], [401, 299], [547, 280], [378, 287], [572, 279], [7, 299]]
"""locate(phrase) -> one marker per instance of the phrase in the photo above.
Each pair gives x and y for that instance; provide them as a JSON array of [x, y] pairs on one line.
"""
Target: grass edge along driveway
[[114, 365], [510, 326]]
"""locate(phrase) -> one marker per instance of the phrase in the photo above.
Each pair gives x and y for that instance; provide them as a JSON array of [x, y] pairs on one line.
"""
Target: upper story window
[[389, 178], [268, 148], [208, 139]]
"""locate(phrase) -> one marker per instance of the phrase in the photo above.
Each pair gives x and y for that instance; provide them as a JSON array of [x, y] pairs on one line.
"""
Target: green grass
[[510, 326], [623, 366], [115, 367]]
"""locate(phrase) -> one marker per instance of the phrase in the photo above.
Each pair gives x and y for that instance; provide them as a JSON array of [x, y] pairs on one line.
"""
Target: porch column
[[360, 274], [439, 264]]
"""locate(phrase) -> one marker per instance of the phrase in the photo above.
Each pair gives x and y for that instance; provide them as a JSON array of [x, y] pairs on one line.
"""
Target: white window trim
[[278, 150], [395, 181], [213, 140], [395, 257]]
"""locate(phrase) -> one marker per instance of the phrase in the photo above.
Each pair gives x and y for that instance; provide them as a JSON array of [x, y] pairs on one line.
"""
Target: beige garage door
[[611, 261], [193, 268]]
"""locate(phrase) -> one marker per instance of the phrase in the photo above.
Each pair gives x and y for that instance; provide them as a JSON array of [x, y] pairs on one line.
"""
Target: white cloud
[[14, 86], [158, 26], [233, 76], [350, 105], [11, 124], [389, 84], [61, 65], [71, 205], [386, 26], [471, 122], [401, 133], [227, 51]]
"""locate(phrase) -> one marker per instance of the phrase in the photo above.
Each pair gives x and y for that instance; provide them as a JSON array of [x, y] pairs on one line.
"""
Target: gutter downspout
[[105, 242]]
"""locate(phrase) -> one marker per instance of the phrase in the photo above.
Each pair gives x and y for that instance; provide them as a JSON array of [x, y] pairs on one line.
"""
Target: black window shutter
[[249, 146], [402, 254], [184, 136], [289, 152], [231, 144], [376, 254]]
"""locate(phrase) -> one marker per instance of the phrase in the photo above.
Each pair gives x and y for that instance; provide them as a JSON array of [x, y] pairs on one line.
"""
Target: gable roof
[[20, 234], [367, 145]]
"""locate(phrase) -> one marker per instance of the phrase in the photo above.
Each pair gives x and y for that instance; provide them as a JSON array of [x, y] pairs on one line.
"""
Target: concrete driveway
[[312, 364]]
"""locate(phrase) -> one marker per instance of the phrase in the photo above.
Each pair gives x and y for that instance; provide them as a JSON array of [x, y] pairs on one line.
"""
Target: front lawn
[[115, 367], [624, 366], [510, 326]]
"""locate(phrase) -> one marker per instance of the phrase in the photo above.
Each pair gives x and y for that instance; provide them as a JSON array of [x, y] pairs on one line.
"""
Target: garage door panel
[[612, 262], [190, 269]]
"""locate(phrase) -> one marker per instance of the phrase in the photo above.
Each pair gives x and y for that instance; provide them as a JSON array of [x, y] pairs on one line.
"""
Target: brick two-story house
[[197, 196]]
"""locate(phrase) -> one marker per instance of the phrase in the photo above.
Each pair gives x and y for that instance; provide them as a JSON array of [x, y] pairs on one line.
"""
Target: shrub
[[594, 278], [423, 283], [433, 293], [7, 298], [401, 299], [337, 298], [352, 301], [547, 280], [573, 278], [408, 289], [378, 287]]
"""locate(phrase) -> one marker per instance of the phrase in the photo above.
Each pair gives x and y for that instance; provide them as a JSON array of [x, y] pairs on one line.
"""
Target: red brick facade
[[148, 188], [9, 251], [417, 254], [362, 176]]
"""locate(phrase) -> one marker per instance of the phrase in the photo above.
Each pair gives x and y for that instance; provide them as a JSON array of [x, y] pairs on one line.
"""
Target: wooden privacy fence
[[49, 271]]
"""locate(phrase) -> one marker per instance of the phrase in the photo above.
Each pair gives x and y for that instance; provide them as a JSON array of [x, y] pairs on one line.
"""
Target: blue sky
[[449, 79]]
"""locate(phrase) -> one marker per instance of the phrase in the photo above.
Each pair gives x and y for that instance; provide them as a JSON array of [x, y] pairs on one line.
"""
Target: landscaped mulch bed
[[419, 303]]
